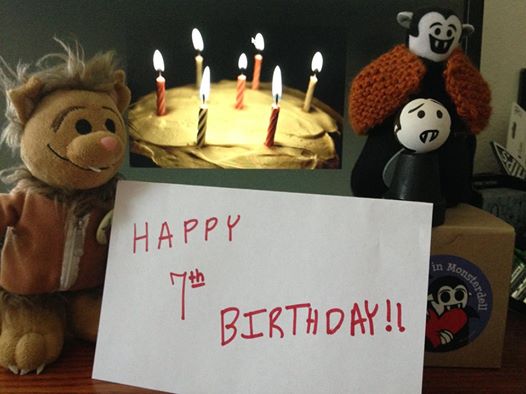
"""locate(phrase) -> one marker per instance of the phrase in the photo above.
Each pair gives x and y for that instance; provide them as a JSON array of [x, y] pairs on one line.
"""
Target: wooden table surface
[[72, 372]]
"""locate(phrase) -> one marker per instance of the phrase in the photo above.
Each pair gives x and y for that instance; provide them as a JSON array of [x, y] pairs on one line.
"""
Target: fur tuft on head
[[68, 70]]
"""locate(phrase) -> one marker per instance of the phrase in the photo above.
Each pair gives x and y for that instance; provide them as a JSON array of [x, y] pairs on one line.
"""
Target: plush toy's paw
[[28, 348], [84, 313], [30, 340]]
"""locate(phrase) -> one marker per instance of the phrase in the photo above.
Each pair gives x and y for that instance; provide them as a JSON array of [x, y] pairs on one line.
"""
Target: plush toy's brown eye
[[439, 114], [449, 33], [110, 125], [83, 126], [421, 114], [438, 31]]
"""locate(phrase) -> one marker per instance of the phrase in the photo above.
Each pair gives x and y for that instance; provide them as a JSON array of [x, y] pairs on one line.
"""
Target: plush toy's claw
[[14, 369], [23, 372], [40, 369]]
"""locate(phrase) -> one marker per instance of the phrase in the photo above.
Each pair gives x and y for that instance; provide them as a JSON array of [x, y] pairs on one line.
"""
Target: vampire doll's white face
[[423, 126], [437, 36]]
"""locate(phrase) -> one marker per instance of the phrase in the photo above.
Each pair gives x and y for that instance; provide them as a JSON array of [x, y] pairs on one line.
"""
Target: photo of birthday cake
[[235, 137]]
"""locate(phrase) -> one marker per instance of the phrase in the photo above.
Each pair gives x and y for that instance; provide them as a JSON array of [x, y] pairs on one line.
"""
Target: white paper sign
[[212, 290]]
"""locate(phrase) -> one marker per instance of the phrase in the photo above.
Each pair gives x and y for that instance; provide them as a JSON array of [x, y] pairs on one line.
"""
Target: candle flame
[[204, 92], [242, 63], [317, 62], [258, 42], [158, 62], [197, 40], [276, 84]]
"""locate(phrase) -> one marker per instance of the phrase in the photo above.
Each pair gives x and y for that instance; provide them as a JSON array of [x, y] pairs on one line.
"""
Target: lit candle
[[197, 40], [204, 91], [241, 81], [160, 83], [259, 43], [276, 95], [317, 64]]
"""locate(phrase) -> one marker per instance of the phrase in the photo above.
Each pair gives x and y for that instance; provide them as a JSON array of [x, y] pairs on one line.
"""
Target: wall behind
[[503, 55]]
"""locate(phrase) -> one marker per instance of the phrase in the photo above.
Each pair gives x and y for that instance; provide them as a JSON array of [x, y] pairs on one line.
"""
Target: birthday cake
[[235, 138]]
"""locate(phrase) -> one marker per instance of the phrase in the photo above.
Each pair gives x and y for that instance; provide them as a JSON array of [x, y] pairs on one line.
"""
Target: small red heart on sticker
[[452, 321]]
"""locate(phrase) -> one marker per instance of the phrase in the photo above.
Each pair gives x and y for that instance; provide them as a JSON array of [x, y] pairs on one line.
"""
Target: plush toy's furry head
[[66, 118]]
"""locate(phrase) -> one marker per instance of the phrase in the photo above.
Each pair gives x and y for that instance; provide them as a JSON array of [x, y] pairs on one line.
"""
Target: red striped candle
[[160, 83], [273, 124], [276, 93], [258, 59], [241, 81], [259, 43], [240, 91]]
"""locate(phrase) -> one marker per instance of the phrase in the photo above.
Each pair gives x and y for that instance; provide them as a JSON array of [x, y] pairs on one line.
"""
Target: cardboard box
[[469, 279], [506, 203]]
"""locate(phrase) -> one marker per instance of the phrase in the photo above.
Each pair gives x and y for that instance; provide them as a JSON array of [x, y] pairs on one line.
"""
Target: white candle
[[316, 66], [199, 45]]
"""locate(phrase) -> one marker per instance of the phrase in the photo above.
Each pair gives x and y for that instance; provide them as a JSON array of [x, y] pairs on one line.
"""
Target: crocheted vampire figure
[[66, 122], [430, 65], [421, 127]]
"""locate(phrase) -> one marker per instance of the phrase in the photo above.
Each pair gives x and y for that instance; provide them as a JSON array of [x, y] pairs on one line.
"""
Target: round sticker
[[459, 301]]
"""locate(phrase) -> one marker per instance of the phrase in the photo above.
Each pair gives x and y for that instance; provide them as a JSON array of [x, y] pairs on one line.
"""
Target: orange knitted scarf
[[386, 84]]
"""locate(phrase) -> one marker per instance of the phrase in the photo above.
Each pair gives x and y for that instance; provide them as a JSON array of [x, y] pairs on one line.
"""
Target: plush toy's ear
[[404, 19], [121, 94], [467, 29], [25, 98]]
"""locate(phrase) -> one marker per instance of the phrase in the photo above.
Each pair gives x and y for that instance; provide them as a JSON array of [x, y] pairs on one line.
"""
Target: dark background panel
[[293, 32], [360, 29]]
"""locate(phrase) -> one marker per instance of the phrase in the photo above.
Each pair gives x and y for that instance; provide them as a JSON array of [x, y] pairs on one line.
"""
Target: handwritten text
[[187, 231], [361, 319]]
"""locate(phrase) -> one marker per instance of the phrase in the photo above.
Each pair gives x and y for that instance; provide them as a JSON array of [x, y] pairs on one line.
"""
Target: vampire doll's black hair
[[418, 14]]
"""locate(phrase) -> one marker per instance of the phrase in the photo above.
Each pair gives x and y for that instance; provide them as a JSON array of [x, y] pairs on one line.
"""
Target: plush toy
[[421, 127], [66, 121], [430, 65]]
